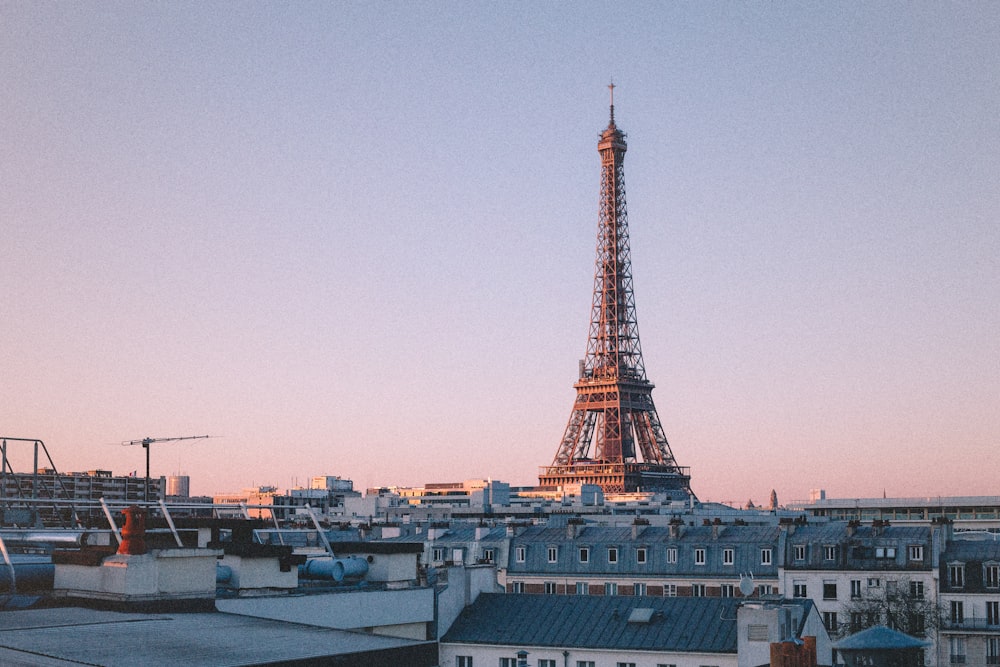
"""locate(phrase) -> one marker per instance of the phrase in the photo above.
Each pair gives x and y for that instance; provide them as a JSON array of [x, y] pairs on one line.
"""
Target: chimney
[[675, 527], [638, 526]]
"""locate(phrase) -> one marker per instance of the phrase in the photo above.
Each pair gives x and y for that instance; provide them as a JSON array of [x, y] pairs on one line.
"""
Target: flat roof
[[75, 635]]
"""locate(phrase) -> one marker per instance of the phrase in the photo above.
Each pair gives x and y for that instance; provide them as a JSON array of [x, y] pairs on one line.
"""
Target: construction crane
[[146, 442]]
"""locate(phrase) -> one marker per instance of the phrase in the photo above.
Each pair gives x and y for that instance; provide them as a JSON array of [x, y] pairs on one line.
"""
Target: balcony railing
[[970, 624]]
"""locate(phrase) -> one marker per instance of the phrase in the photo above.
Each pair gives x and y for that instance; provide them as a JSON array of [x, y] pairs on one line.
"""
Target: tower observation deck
[[614, 437]]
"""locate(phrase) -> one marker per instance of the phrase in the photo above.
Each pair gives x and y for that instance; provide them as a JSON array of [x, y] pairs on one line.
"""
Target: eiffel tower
[[614, 413]]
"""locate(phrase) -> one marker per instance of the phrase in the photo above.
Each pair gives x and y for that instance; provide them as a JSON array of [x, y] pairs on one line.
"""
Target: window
[[915, 552], [610, 588], [698, 590], [582, 588], [639, 589], [546, 663], [672, 555], [584, 554], [830, 621], [917, 627], [799, 590], [830, 552], [626, 664], [640, 555], [669, 590], [957, 650], [550, 588], [855, 589], [765, 556], [584, 663], [957, 611], [885, 552], [917, 590], [553, 554], [992, 612], [991, 575], [857, 619], [728, 556], [956, 575], [699, 556], [799, 552], [829, 590], [517, 587], [993, 651], [874, 582], [463, 661], [765, 589], [612, 554], [437, 554], [508, 662], [520, 554], [488, 555], [728, 590], [661, 664]]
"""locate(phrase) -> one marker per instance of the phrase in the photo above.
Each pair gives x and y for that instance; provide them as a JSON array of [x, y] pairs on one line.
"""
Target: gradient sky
[[358, 239]]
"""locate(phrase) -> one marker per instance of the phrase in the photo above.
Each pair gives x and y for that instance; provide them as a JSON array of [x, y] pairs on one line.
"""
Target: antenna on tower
[[611, 87]]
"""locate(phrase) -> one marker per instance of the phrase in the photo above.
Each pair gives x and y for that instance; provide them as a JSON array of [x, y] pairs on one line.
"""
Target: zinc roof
[[697, 551], [705, 625]]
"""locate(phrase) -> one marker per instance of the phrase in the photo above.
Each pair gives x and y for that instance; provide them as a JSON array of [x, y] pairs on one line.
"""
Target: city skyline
[[361, 243]]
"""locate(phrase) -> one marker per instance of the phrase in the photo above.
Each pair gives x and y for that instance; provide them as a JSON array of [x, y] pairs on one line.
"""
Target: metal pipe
[[61, 537], [319, 529], [111, 520], [10, 566], [170, 522], [336, 569]]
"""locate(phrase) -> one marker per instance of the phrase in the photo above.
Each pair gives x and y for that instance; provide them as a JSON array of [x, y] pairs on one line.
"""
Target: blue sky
[[358, 239]]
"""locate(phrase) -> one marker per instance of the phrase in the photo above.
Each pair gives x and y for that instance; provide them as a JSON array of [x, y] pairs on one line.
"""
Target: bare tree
[[902, 605]]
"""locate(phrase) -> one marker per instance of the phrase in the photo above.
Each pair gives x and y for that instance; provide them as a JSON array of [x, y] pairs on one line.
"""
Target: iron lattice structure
[[614, 413]]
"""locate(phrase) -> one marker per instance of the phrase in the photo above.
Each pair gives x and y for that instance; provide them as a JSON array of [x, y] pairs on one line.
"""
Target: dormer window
[[885, 552]]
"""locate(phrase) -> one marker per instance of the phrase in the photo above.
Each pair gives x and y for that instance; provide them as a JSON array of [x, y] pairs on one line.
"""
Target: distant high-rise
[[614, 438], [179, 486]]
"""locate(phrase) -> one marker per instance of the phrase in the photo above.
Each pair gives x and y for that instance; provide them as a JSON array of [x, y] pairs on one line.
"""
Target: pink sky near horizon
[[361, 243]]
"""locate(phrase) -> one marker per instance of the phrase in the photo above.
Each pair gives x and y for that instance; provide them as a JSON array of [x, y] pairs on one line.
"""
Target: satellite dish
[[746, 585]]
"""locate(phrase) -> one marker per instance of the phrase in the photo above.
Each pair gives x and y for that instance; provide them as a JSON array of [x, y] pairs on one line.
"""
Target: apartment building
[[969, 574]]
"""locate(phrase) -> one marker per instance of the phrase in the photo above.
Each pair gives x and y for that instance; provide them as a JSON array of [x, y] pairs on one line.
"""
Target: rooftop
[[75, 636], [598, 622]]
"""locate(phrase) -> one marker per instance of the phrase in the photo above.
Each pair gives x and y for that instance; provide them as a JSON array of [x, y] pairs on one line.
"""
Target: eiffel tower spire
[[614, 437]]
